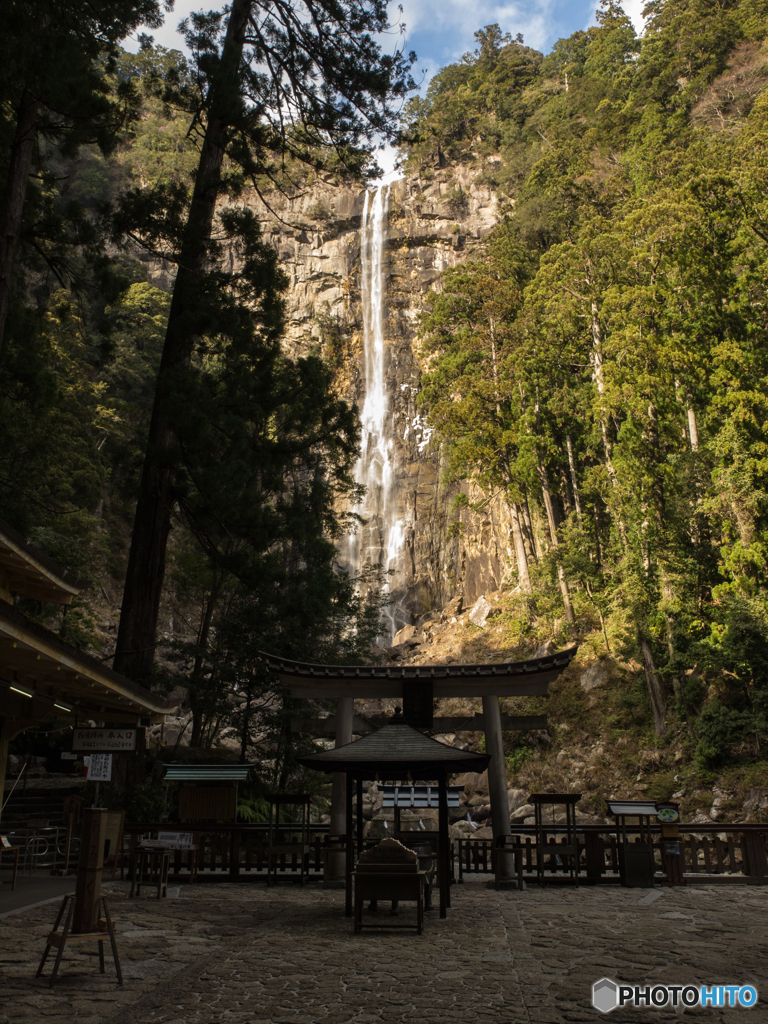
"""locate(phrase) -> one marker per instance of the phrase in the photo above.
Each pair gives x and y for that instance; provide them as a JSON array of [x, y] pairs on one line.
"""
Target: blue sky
[[440, 31]]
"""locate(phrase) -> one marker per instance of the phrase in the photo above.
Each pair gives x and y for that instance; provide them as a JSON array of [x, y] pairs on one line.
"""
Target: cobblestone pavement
[[245, 954]]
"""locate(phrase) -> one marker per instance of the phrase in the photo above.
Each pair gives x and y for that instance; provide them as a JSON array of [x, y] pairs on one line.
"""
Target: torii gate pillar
[[497, 787], [335, 873]]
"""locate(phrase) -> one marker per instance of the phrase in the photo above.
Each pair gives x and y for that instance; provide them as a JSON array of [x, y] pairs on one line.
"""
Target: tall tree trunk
[[574, 479], [197, 668], [598, 545], [527, 528], [245, 732], [599, 611], [564, 590], [596, 358], [655, 688], [519, 545], [22, 149], [683, 396], [565, 492], [677, 684], [146, 562], [693, 429]]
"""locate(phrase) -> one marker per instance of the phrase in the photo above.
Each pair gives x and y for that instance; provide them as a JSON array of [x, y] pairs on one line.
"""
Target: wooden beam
[[535, 685], [5, 738], [362, 725]]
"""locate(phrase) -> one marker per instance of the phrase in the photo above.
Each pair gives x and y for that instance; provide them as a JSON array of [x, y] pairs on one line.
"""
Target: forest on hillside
[[602, 362], [158, 441]]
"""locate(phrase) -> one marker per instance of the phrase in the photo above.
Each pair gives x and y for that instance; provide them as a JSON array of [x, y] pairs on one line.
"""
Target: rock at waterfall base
[[596, 675], [480, 611]]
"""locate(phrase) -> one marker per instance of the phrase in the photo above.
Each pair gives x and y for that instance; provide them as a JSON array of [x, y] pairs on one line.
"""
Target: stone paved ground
[[245, 954]]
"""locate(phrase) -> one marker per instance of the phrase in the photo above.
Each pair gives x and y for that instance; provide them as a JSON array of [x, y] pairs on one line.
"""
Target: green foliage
[[51, 470], [158, 148], [146, 803], [318, 210], [601, 359], [516, 758], [253, 810], [661, 786], [718, 727]]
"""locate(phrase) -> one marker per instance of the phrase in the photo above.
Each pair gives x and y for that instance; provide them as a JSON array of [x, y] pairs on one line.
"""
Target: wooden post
[[350, 854], [360, 821], [755, 860], [234, 854], [335, 869], [594, 849], [141, 755], [497, 786], [443, 847], [88, 887], [5, 739]]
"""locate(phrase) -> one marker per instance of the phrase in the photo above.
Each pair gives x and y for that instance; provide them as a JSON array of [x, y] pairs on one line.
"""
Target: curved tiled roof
[[396, 751], [504, 671], [33, 572], [520, 677], [69, 673]]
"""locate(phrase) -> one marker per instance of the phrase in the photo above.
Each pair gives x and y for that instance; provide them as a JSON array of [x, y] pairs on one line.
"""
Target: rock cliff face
[[433, 224]]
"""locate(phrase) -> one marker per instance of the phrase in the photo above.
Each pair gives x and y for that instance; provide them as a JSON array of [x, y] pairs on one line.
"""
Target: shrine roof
[[396, 751], [29, 572], [39, 667], [518, 678], [208, 772]]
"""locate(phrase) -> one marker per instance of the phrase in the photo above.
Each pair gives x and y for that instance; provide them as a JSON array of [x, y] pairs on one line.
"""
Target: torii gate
[[418, 686]]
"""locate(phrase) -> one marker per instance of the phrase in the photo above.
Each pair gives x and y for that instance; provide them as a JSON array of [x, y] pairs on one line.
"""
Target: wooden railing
[[231, 849], [711, 853]]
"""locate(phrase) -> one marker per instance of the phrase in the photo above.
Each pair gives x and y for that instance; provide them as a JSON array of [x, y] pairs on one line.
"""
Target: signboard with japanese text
[[105, 739], [100, 768]]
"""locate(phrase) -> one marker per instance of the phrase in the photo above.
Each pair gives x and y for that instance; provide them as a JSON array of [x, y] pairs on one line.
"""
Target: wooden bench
[[388, 871]]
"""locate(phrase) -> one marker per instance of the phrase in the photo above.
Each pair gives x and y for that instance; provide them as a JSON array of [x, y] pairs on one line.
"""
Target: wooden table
[[14, 850], [155, 862]]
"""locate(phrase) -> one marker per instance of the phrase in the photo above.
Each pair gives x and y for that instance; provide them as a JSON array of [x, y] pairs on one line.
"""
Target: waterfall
[[381, 539]]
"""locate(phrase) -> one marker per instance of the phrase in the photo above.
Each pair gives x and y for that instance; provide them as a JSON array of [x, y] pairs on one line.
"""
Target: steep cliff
[[433, 224]]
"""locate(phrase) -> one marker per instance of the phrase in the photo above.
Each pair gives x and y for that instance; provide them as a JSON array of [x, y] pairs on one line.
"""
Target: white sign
[[180, 840], [104, 739], [100, 767]]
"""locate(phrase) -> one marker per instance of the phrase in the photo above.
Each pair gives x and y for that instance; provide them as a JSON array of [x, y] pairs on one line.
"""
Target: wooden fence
[[710, 853], [232, 850]]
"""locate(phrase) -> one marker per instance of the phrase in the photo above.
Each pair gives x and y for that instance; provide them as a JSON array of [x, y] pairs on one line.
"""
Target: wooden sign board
[[89, 869], [207, 803], [178, 840], [418, 703], [105, 740], [100, 768]]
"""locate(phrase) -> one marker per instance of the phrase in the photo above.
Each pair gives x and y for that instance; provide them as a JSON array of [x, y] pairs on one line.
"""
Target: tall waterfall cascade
[[380, 540]]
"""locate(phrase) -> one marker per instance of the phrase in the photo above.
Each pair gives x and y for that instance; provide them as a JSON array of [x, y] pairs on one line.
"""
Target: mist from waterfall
[[380, 541]]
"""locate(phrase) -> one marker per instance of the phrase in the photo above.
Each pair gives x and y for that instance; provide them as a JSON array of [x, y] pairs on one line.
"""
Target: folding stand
[[60, 939]]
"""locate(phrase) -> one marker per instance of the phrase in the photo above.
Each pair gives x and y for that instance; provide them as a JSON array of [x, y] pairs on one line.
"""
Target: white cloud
[[441, 31], [386, 158], [634, 11], [458, 21], [167, 35]]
